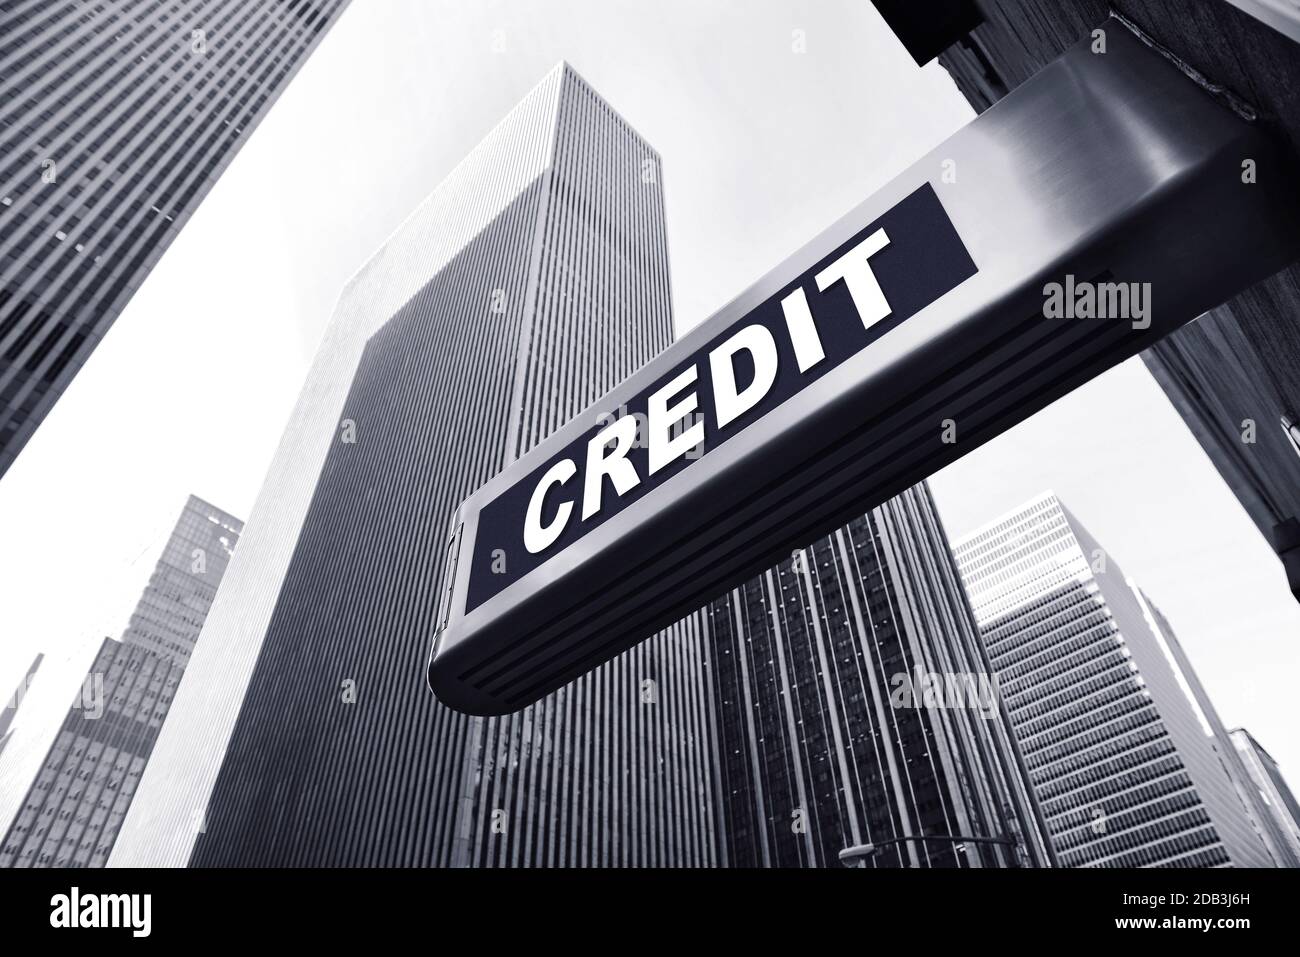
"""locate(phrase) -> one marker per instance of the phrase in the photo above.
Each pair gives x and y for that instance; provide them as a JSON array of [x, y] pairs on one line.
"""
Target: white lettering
[[663, 447], [103, 910], [537, 536], [855, 269], [614, 464], [731, 404], [808, 349]]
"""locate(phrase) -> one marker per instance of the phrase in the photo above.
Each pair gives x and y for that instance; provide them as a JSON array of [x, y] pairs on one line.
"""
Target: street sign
[[1104, 203]]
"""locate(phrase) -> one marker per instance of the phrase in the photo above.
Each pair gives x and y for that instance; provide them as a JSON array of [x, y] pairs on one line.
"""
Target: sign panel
[[890, 270], [1102, 204]]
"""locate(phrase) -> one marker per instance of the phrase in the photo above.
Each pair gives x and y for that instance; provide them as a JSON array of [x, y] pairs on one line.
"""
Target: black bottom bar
[[663, 908]]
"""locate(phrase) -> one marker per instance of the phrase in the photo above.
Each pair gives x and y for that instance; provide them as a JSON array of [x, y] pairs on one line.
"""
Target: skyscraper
[[115, 120], [530, 281], [827, 738], [1277, 797], [1252, 798], [1125, 769], [72, 812]]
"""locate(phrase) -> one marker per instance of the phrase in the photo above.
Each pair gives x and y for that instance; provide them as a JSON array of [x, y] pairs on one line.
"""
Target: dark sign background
[[924, 260]]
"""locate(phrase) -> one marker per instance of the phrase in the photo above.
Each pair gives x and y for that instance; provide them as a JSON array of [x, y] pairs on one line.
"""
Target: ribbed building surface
[[531, 281], [1125, 770], [821, 749], [116, 118], [73, 810]]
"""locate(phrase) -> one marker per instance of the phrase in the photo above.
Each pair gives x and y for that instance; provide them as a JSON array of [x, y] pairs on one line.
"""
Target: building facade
[[532, 280], [73, 810], [1235, 406], [1253, 799], [830, 735], [1126, 770], [115, 120], [1276, 796]]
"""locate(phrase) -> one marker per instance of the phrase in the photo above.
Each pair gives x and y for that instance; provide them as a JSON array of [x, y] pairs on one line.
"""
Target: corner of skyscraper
[[531, 280]]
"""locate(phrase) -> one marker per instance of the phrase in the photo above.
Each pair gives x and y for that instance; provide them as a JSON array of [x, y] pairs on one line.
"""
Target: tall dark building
[[72, 812], [532, 280], [116, 118], [855, 706]]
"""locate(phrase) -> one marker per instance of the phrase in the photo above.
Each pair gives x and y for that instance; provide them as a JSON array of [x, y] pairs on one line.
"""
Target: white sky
[[762, 148]]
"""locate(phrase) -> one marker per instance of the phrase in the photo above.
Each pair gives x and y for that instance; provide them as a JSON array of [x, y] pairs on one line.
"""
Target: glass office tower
[[532, 280], [1276, 796], [1252, 799], [71, 814], [1125, 768], [115, 120], [827, 737]]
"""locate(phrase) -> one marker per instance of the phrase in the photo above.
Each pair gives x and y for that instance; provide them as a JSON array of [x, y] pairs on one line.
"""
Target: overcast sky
[[762, 145]]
